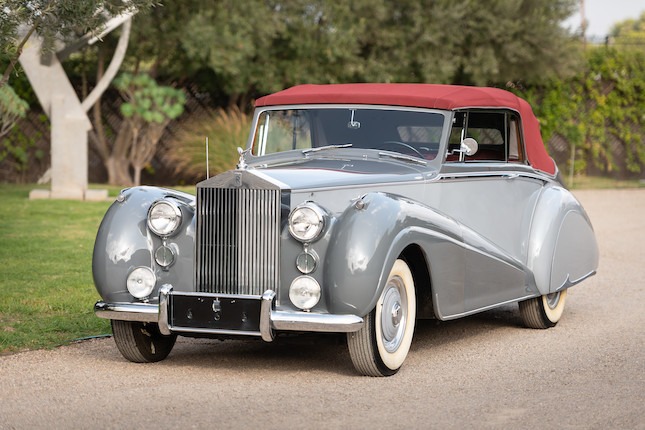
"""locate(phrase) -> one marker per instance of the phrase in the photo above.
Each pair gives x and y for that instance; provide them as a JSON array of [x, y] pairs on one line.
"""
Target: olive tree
[[147, 110], [12, 108], [54, 20]]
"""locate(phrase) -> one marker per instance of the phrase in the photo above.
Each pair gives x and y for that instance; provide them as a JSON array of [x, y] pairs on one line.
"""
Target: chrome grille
[[238, 233]]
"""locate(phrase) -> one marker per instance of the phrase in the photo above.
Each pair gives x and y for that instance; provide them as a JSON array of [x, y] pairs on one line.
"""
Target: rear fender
[[562, 248]]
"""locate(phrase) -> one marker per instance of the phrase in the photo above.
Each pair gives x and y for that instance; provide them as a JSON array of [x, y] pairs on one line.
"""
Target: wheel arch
[[367, 241], [416, 260]]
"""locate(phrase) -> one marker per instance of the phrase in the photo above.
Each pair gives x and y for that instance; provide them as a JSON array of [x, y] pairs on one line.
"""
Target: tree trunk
[[118, 164], [118, 172]]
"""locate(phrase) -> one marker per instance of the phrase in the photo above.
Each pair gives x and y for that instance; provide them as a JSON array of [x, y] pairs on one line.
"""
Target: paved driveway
[[484, 371]]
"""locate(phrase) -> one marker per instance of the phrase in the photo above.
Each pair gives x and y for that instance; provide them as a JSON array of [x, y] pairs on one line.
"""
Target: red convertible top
[[431, 96]]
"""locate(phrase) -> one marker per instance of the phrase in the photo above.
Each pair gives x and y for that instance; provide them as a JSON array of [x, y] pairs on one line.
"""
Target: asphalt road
[[482, 372]]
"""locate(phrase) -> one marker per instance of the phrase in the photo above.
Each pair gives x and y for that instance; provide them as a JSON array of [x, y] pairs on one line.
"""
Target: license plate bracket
[[215, 312]]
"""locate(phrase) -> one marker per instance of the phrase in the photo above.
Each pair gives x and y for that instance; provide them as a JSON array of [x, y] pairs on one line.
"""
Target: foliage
[[55, 20], [629, 34], [601, 105], [12, 107], [23, 150], [148, 108], [145, 100], [225, 129], [46, 289], [260, 46]]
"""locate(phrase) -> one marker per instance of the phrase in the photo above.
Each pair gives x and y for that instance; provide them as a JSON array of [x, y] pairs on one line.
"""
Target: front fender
[[562, 248], [370, 235], [124, 242]]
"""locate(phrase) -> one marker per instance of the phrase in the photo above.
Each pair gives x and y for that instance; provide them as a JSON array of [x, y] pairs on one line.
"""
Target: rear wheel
[[141, 342], [381, 346], [544, 311]]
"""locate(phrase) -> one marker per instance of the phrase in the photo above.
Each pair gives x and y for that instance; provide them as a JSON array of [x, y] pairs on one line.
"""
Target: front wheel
[[544, 311], [141, 342], [381, 346]]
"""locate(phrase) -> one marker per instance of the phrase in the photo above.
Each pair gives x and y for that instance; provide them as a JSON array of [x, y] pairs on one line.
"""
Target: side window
[[515, 143], [498, 135]]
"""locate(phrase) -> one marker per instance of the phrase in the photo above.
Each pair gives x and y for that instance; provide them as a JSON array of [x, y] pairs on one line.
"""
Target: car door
[[492, 194]]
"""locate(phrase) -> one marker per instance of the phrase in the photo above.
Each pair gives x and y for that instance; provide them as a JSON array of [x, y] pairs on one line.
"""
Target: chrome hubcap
[[393, 313], [552, 300]]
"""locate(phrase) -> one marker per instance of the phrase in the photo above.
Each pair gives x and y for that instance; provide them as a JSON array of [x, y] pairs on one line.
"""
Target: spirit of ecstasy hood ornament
[[241, 164]]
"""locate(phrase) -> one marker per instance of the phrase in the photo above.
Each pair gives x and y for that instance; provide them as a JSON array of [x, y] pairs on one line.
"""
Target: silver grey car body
[[356, 209]]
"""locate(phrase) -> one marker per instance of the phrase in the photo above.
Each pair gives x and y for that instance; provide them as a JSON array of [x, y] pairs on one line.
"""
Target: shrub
[[225, 129]]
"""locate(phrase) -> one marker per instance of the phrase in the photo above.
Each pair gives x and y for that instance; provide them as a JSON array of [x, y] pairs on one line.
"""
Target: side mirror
[[469, 146]]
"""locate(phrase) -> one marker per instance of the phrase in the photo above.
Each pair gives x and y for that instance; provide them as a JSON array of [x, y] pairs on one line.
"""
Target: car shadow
[[325, 353]]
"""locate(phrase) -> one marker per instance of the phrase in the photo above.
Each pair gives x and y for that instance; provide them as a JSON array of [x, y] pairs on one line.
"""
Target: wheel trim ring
[[393, 315], [552, 300]]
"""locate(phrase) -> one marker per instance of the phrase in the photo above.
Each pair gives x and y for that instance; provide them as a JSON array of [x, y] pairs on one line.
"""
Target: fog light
[[165, 255], [141, 281], [304, 292]]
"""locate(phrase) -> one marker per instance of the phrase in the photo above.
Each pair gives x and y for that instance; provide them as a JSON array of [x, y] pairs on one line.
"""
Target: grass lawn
[[46, 289]]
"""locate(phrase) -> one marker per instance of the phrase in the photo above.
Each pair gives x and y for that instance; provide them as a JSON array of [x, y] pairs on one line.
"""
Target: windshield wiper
[[403, 157], [325, 148]]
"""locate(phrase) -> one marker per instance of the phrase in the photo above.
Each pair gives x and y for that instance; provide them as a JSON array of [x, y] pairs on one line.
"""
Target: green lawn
[[46, 289]]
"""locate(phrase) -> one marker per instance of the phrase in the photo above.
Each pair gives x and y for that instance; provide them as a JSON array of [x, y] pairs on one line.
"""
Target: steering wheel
[[409, 148]]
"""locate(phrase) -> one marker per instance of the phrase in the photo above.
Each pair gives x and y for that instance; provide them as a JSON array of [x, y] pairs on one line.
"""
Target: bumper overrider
[[225, 314]]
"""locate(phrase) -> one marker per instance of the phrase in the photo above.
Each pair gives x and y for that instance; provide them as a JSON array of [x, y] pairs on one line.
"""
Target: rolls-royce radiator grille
[[238, 233]]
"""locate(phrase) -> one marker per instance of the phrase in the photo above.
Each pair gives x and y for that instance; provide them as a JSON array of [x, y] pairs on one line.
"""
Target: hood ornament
[[241, 164]]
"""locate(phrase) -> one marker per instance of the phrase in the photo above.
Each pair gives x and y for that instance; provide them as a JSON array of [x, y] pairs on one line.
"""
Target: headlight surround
[[307, 222], [164, 218], [141, 281], [304, 292]]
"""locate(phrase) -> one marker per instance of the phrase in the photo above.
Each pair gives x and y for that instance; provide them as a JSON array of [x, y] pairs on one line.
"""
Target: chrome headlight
[[141, 281], [306, 222], [304, 292], [164, 218]]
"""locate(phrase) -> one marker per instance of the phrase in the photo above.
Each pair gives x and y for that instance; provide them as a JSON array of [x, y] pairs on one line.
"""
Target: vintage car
[[355, 209]]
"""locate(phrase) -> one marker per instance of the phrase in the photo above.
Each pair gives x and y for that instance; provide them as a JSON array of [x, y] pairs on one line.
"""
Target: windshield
[[413, 133]]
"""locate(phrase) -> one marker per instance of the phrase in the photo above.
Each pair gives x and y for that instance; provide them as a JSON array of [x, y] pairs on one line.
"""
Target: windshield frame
[[270, 158]]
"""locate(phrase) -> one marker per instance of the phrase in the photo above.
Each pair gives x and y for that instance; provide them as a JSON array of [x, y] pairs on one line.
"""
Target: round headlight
[[304, 292], [141, 281], [307, 222], [164, 217]]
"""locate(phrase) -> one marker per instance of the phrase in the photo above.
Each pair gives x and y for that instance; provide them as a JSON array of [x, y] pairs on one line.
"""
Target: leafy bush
[[599, 112], [225, 129]]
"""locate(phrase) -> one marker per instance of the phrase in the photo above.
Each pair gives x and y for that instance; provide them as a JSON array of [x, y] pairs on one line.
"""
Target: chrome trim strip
[[505, 174], [164, 292], [142, 312], [266, 309], [307, 321]]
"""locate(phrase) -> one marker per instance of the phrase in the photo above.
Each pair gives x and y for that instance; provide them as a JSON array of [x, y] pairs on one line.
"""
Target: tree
[[147, 110], [629, 33], [259, 46], [54, 20], [12, 108]]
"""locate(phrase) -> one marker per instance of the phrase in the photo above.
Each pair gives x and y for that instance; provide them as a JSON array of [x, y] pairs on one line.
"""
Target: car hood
[[330, 173]]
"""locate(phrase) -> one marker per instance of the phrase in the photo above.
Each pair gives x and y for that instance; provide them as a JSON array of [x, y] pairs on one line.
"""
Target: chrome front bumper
[[270, 319]]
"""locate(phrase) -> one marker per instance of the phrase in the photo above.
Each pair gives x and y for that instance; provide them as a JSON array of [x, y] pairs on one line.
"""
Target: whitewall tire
[[381, 346]]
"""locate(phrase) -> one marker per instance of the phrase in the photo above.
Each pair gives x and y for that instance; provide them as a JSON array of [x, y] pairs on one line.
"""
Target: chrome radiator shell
[[238, 228]]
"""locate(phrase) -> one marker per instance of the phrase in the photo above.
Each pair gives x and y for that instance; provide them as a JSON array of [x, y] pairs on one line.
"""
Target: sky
[[603, 14]]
